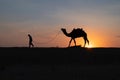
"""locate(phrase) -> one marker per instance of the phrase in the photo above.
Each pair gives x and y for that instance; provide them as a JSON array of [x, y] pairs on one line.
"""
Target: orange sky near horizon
[[42, 36]]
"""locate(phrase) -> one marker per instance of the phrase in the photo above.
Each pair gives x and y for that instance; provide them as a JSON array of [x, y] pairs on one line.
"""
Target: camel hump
[[78, 30]]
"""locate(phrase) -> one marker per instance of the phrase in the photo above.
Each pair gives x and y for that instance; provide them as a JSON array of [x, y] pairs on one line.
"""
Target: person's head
[[28, 34]]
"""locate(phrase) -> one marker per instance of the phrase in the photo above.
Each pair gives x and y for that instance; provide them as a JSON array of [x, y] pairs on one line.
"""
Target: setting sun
[[89, 46]]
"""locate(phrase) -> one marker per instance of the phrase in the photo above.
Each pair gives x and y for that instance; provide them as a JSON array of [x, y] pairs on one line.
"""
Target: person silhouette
[[30, 41]]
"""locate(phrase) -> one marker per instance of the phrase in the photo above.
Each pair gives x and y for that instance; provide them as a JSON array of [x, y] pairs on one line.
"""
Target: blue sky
[[44, 18]]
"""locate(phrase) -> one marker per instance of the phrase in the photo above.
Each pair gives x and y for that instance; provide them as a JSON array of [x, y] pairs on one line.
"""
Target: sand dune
[[73, 63]]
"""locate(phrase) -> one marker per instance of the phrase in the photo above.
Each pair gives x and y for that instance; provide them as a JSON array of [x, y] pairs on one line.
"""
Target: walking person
[[30, 41]]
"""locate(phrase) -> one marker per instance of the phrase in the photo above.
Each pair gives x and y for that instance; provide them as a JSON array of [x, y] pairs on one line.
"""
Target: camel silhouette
[[76, 33]]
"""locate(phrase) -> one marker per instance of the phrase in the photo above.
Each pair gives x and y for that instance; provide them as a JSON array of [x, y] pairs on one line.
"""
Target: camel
[[76, 33]]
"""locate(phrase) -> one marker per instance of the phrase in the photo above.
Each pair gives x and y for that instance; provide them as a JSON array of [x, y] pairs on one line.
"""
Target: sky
[[43, 19]]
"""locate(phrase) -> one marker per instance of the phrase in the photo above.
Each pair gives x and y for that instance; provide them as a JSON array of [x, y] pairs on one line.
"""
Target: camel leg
[[74, 42], [84, 41], [70, 42], [88, 41]]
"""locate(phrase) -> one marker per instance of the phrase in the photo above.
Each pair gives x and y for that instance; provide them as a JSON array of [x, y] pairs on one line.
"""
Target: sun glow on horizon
[[89, 46]]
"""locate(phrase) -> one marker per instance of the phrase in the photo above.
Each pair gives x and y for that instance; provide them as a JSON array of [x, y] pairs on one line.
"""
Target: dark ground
[[73, 63]]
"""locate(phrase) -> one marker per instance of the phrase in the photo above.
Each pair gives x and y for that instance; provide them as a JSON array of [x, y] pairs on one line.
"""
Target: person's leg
[[29, 44], [32, 44]]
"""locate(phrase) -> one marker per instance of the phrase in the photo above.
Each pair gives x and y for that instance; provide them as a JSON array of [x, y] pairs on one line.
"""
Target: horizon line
[[56, 47]]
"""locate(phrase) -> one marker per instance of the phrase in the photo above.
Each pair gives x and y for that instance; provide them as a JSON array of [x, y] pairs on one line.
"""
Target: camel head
[[63, 29]]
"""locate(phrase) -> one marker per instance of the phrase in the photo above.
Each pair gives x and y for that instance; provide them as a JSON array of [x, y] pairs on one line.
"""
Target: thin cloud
[[118, 36]]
